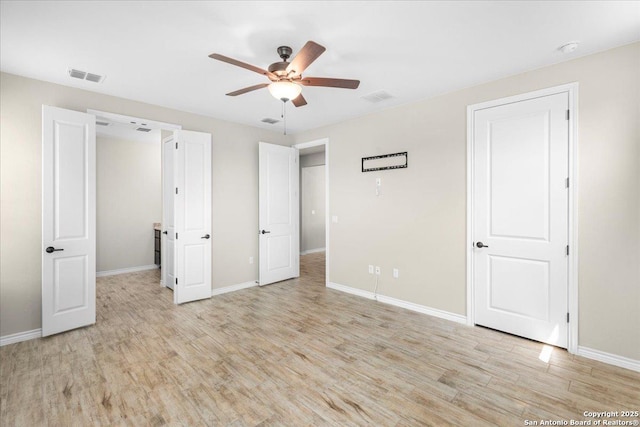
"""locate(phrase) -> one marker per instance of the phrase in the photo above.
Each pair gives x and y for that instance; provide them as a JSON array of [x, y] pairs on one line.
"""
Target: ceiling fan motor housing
[[279, 68]]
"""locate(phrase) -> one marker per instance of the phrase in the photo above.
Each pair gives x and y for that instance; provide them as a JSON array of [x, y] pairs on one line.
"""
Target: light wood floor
[[292, 353]]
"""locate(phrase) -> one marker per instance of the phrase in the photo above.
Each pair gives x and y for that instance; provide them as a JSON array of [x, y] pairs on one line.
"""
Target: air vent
[[83, 75], [143, 129], [99, 123], [270, 121], [376, 97]]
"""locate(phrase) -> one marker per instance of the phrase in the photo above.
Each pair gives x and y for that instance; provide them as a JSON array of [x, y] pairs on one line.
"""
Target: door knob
[[165, 232], [265, 232], [206, 236], [481, 245], [51, 249]]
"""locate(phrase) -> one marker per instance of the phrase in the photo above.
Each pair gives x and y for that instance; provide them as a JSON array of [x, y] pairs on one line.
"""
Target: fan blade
[[309, 53], [324, 81], [299, 101], [243, 65], [248, 89]]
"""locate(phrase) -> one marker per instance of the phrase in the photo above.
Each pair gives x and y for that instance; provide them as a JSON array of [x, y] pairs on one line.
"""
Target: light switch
[[313, 212], [334, 218]]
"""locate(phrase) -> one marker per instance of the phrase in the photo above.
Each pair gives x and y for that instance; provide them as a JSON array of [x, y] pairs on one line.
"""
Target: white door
[[192, 175], [168, 222], [521, 218], [68, 220], [279, 213]]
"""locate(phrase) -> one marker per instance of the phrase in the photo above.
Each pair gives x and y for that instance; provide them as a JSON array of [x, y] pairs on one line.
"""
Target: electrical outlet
[[396, 273], [377, 270], [370, 269], [250, 260]]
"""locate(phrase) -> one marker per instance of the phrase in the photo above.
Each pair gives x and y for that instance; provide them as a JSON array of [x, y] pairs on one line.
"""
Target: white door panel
[[168, 222], [521, 215], [68, 220], [192, 176], [279, 213]]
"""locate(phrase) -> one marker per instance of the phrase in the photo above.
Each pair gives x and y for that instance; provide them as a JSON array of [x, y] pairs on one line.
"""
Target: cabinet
[[158, 245]]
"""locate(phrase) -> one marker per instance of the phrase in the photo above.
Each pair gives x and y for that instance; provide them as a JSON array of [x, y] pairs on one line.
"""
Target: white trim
[[353, 291], [126, 270], [572, 280], [453, 317], [20, 336], [327, 217], [233, 288], [312, 251], [611, 359], [121, 118], [309, 144]]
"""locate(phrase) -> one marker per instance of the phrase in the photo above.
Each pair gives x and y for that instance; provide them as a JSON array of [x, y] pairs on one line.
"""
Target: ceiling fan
[[286, 77]]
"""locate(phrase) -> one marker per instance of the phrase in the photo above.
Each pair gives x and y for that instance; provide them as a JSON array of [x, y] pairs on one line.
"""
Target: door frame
[[571, 89], [315, 143]]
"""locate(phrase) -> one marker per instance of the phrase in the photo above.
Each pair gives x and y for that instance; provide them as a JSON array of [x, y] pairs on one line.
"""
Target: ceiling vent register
[[84, 75], [378, 96]]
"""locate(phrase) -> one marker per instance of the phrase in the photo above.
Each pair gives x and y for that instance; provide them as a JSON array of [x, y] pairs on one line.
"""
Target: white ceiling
[[157, 52]]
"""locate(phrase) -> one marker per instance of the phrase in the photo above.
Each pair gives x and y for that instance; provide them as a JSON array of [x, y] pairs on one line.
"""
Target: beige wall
[[418, 224], [235, 194], [312, 214], [129, 201]]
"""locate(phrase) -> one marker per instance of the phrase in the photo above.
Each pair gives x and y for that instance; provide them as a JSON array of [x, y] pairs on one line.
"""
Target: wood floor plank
[[291, 354]]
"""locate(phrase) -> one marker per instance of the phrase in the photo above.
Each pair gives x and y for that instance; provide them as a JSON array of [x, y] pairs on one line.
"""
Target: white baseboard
[[20, 336], [233, 288], [350, 290], [400, 303], [312, 251], [611, 359], [126, 270]]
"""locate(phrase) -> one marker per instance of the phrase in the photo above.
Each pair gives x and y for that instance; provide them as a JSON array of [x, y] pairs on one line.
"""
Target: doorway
[[521, 216], [314, 208]]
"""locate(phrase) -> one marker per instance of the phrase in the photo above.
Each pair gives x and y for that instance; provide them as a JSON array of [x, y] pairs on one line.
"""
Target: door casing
[[572, 91]]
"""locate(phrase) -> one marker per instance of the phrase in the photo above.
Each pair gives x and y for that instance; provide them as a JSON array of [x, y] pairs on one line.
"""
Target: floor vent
[[378, 96], [270, 121], [83, 75]]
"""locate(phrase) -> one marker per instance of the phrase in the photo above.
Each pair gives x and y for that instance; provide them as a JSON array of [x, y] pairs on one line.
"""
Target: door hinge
[[176, 190], [176, 145], [567, 317], [177, 237], [567, 182], [567, 249], [568, 114]]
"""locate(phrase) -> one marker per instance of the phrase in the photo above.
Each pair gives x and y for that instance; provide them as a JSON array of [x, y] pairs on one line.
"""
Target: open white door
[[279, 213], [521, 217], [68, 220], [168, 217], [192, 174]]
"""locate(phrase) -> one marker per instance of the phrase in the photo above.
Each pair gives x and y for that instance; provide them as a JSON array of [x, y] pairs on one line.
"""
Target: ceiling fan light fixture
[[284, 90]]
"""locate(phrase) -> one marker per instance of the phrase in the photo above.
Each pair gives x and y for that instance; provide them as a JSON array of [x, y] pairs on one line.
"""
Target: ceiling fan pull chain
[[284, 116]]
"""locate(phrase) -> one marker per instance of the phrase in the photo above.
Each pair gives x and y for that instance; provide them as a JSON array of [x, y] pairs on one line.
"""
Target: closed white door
[[68, 220], [192, 201], [168, 217], [521, 218], [279, 213]]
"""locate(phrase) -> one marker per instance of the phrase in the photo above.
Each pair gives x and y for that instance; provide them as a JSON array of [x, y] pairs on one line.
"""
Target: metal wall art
[[385, 161]]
